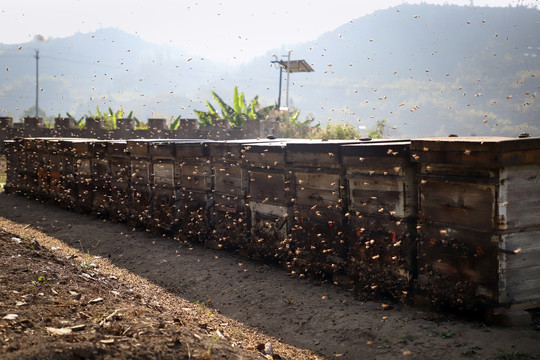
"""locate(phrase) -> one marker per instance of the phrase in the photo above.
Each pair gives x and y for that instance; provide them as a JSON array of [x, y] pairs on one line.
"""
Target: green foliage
[[378, 131], [339, 131], [237, 114], [175, 123], [291, 126], [110, 117], [79, 124]]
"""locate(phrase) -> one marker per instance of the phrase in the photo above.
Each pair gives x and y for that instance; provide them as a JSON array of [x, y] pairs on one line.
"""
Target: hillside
[[426, 69]]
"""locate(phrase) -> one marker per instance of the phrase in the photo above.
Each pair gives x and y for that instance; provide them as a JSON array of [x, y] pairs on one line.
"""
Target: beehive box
[[382, 209], [140, 182], [82, 175], [14, 162], [100, 168], [55, 167], [319, 200], [230, 214], [36, 173], [195, 188], [479, 221], [72, 150], [269, 200], [119, 175], [165, 180]]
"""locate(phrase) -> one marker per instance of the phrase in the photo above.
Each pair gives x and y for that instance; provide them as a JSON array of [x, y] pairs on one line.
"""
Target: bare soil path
[[260, 303]]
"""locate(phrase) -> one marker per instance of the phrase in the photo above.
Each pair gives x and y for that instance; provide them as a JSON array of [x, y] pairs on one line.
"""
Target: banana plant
[[175, 123], [237, 114], [77, 123]]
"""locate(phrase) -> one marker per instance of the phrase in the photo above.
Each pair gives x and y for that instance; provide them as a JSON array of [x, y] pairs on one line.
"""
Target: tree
[[378, 131]]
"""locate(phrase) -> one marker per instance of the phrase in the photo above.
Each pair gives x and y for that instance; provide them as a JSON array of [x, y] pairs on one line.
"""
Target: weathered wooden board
[[230, 179], [196, 177], [519, 267], [269, 232], [519, 197], [318, 248], [163, 174], [164, 210], [321, 189], [269, 187], [382, 255], [271, 155], [315, 153], [482, 151], [140, 172], [460, 259], [459, 203], [380, 194]]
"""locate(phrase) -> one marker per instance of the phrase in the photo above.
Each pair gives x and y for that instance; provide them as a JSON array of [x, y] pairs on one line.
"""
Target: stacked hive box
[[14, 154], [140, 182], [230, 213], [382, 206], [100, 168], [56, 171], [72, 151], [269, 200], [119, 170], [83, 176], [479, 221], [195, 188], [165, 179], [316, 219], [35, 173]]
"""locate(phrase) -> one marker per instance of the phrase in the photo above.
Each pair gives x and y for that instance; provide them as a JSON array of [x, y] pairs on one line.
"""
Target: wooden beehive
[[165, 181], [269, 200], [479, 215], [230, 214], [119, 179], [55, 167], [193, 190], [140, 181], [100, 168], [83, 175], [14, 162], [382, 207], [316, 219], [72, 150]]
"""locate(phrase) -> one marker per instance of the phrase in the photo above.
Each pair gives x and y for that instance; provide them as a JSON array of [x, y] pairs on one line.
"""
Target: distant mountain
[[426, 69]]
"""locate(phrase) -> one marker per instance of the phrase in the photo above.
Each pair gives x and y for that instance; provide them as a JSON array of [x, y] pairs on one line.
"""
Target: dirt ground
[[89, 288]]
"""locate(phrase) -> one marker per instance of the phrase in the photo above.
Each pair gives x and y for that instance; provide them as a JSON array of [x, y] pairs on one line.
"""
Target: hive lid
[[485, 151]]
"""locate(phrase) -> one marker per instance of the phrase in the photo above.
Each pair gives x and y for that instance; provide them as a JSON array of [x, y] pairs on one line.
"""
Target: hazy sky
[[226, 30]]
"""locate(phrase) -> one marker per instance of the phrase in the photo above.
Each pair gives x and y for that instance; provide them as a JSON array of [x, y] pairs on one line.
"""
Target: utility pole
[[288, 76], [37, 83]]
